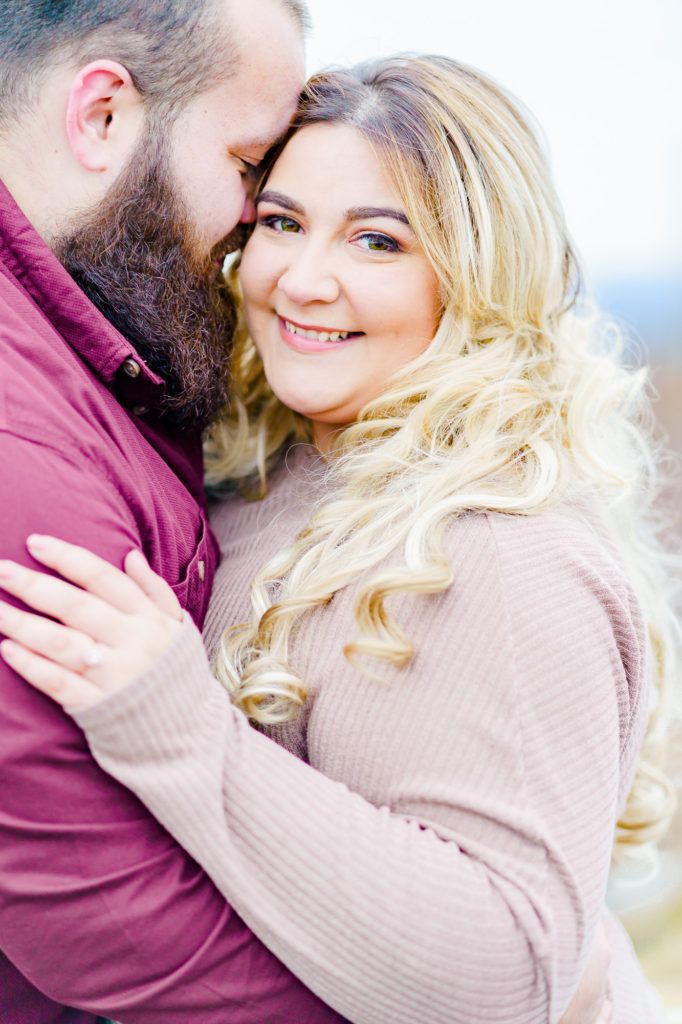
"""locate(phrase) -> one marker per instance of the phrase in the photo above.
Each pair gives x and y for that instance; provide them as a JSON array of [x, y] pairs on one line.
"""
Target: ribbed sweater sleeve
[[448, 864]]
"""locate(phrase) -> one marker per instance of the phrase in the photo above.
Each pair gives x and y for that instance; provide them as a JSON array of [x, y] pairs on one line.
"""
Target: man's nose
[[250, 183], [249, 212]]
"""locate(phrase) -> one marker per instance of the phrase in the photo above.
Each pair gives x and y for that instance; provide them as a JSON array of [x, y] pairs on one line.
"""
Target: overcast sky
[[604, 78]]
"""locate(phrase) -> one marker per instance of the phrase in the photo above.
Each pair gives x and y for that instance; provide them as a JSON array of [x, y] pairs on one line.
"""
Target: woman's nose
[[309, 278]]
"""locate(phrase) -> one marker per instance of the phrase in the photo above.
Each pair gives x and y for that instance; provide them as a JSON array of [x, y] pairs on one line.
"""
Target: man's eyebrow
[[369, 212], [279, 199]]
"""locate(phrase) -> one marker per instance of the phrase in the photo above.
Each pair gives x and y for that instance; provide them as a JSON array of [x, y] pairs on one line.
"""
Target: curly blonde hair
[[519, 402]]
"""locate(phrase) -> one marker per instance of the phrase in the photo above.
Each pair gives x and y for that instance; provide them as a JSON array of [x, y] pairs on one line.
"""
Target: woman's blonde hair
[[519, 402]]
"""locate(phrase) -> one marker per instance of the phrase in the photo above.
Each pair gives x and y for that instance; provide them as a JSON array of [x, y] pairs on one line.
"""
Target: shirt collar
[[35, 267]]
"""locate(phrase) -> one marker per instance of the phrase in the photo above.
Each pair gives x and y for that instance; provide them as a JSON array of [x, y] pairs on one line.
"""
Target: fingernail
[[36, 542], [7, 570], [7, 648], [137, 554]]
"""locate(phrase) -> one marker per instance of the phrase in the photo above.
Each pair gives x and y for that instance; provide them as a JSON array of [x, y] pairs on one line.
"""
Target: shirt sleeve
[[468, 890], [99, 907]]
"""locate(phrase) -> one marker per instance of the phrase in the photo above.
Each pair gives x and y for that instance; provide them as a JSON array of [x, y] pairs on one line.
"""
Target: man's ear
[[103, 116]]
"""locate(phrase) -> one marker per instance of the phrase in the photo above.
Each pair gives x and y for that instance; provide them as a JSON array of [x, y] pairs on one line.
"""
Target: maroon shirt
[[99, 908]]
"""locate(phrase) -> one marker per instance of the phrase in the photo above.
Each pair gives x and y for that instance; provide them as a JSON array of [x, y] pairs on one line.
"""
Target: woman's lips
[[300, 344]]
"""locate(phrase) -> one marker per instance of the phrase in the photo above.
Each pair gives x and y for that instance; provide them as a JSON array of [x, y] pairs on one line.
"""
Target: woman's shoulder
[[558, 587], [559, 572], [557, 561], [569, 538]]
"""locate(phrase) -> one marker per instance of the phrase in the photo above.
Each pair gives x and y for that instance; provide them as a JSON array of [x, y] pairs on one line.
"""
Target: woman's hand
[[112, 625], [590, 1004]]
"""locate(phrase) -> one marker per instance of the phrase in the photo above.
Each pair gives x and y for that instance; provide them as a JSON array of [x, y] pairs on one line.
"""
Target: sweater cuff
[[173, 686]]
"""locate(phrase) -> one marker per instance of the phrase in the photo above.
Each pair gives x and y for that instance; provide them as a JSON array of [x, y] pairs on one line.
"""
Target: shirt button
[[140, 410], [131, 368], [201, 570]]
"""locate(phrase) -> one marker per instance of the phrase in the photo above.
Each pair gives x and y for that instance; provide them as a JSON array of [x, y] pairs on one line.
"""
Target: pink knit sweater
[[431, 848]]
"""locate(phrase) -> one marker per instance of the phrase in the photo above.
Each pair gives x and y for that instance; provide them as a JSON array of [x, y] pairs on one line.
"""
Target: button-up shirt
[[99, 907]]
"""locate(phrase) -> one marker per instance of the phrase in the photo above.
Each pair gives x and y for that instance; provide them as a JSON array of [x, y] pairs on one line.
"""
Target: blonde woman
[[440, 593]]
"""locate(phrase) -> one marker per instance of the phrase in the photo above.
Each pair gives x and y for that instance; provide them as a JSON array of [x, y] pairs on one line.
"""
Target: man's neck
[[18, 180], [39, 182]]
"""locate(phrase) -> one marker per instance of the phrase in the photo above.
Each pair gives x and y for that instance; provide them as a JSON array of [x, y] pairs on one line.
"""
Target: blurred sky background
[[604, 79]]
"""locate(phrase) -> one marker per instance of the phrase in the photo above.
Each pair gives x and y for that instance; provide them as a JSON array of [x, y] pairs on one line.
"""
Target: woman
[[445, 587]]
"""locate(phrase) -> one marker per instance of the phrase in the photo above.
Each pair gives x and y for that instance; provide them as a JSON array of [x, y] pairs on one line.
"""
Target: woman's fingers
[[112, 631], [67, 647], [608, 1013], [88, 571], [156, 588], [590, 1004], [69, 689], [73, 607]]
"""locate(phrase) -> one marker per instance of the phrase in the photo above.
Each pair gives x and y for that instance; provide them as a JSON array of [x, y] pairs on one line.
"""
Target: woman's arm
[[99, 907], [463, 901]]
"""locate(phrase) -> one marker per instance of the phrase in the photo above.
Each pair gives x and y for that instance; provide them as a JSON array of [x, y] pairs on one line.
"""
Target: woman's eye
[[378, 243], [281, 224]]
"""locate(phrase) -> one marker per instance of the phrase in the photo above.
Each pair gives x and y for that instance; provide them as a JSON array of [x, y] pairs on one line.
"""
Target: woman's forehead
[[333, 165]]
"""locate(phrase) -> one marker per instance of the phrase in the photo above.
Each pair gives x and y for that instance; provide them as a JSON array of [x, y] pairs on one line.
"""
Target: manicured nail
[[137, 556], [36, 542], [7, 570]]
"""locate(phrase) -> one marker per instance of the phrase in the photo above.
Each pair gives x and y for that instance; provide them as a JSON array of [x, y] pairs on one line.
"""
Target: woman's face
[[338, 291]]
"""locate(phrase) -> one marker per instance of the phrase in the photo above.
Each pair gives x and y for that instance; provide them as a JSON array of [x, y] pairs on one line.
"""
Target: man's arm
[[99, 907]]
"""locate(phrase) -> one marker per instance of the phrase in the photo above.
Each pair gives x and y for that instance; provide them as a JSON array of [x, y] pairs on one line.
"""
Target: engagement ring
[[92, 658]]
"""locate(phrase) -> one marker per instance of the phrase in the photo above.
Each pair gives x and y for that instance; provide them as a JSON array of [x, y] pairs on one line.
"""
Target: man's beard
[[136, 259]]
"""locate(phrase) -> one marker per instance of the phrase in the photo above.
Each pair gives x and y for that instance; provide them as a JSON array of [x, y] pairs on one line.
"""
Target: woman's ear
[[103, 116]]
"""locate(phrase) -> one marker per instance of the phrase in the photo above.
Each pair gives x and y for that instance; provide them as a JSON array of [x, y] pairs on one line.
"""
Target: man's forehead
[[261, 96], [271, 52], [266, 122]]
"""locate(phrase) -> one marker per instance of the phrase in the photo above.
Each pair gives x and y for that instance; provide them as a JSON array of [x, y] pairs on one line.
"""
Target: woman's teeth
[[318, 335]]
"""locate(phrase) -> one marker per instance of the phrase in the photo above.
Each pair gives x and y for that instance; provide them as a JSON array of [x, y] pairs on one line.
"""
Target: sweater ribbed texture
[[431, 847]]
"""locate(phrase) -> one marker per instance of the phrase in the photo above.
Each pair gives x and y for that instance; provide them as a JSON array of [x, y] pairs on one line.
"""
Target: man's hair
[[170, 47]]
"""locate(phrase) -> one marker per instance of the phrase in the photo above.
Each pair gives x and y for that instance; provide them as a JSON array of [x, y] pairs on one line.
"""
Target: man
[[126, 134]]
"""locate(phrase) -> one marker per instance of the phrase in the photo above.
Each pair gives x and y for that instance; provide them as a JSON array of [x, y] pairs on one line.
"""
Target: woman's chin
[[302, 404]]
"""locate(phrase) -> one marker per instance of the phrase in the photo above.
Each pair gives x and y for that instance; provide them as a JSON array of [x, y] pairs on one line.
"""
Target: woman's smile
[[302, 338]]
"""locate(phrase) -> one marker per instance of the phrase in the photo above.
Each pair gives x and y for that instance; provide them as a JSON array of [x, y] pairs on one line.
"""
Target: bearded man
[[126, 134]]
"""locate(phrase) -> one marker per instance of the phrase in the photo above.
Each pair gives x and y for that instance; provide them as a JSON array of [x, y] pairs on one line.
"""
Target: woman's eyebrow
[[279, 199], [355, 212], [369, 212]]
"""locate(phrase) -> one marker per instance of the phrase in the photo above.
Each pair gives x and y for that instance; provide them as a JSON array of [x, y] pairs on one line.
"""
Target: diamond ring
[[92, 658]]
